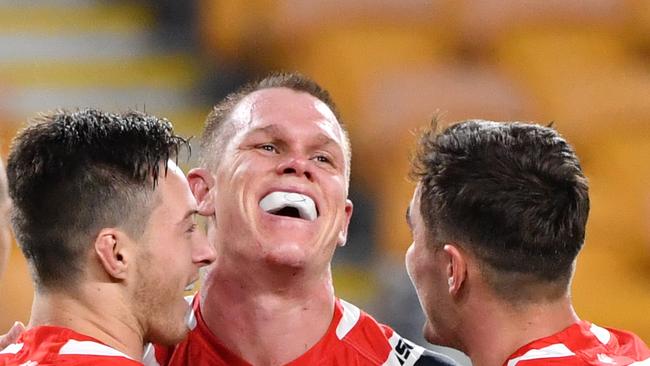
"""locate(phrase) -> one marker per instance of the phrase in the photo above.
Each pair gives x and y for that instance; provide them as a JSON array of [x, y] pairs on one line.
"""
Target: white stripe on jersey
[[73, 347], [350, 317], [12, 348], [645, 362], [403, 352], [149, 355], [190, 317], [602, 334], [190, 299], [552, 351]]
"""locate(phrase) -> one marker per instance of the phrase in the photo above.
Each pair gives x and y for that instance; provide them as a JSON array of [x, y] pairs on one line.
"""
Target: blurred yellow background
[[391, 65]]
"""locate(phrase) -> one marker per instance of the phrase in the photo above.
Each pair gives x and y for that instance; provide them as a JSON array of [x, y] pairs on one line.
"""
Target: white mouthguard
[[276, 201]]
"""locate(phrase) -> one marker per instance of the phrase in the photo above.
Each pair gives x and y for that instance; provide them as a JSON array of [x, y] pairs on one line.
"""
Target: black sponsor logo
[[403, 350]]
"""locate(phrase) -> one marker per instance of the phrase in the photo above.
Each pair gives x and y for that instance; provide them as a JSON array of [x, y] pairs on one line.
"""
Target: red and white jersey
[[353, 339], [584, 343], [48, 345]]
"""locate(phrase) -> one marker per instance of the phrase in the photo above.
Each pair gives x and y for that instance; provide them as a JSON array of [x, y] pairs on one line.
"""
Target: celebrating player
[[274, 183], [498, 218], [106, 222]]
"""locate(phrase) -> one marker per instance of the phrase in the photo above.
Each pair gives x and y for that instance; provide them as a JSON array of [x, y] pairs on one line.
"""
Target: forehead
[[3, 182], [288, 108], [173, 188], [414, 205]]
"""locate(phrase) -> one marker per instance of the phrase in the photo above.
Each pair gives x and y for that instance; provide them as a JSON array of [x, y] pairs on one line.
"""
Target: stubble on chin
[[156, 306], [433, 336]]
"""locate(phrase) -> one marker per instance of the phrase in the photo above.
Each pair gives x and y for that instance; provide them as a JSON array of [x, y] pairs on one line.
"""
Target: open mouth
[[289, 204]]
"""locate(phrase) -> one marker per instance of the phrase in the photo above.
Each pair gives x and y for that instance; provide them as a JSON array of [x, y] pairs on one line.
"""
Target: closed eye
[[192, 228]]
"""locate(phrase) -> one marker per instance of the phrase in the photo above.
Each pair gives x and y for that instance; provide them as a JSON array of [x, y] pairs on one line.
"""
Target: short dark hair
[[73, 173], [216, 134], [512, 193]]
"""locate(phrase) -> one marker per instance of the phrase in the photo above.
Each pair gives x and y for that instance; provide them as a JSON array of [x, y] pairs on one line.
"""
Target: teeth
[[276, 201], [190, 287]]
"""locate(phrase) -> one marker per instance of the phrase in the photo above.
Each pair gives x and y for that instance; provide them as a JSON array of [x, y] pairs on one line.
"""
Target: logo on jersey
[[403, 351]]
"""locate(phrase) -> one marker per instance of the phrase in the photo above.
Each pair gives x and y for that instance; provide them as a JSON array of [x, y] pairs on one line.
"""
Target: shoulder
[[556, 353], [97, 361], [88, 352], [57, 345], [583, 343], [378, 341]]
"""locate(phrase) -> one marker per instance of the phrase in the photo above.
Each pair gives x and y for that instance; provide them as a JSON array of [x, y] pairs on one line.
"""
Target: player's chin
[[178, 336], [431, 335], [172, 329], [171, 333], [438, 337]]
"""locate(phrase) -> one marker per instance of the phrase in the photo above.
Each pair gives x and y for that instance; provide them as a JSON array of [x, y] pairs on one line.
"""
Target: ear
[[201, 183], [456, 268], [343, 234], [113, 250]]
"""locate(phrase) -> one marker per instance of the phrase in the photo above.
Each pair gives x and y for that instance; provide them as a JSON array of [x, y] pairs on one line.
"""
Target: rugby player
[[273, 182], [498, 218], [106, 221]]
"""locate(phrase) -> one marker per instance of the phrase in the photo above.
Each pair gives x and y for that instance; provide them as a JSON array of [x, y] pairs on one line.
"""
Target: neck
[[515, 325], [261, 310], [103, 320]]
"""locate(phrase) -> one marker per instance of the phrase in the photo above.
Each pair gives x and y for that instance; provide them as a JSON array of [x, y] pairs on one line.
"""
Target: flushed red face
[[280, 188], [172, 251]]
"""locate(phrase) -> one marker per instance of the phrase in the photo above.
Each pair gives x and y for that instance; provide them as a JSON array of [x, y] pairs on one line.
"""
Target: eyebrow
[[187, 215], [276, 130], [270, 129]]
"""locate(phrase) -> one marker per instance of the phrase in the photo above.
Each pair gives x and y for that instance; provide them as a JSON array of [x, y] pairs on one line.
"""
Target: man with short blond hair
[[274, 185]]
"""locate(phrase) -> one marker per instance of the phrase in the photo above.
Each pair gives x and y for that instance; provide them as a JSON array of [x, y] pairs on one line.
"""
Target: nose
[[295, 165], [203, 252]]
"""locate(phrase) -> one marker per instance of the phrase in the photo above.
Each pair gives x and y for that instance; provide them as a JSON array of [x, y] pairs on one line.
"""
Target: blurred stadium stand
[[391, 65]]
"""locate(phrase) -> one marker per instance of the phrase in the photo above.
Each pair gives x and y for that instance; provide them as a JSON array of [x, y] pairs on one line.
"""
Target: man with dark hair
[[498, 218], [273, 183], [105, 219], [5, 240]]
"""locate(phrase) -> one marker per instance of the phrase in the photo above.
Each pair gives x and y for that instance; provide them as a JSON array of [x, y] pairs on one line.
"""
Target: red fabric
[[41, 346], [580, 339], [366, 343]]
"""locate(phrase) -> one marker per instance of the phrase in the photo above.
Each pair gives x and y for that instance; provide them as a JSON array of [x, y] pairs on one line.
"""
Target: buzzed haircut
[[217, 133], [513, 194], [73, 173]]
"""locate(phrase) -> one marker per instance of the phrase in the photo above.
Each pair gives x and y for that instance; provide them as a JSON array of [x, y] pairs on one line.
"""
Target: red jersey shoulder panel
[[353, 338], [583, 343], [61, 346]]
